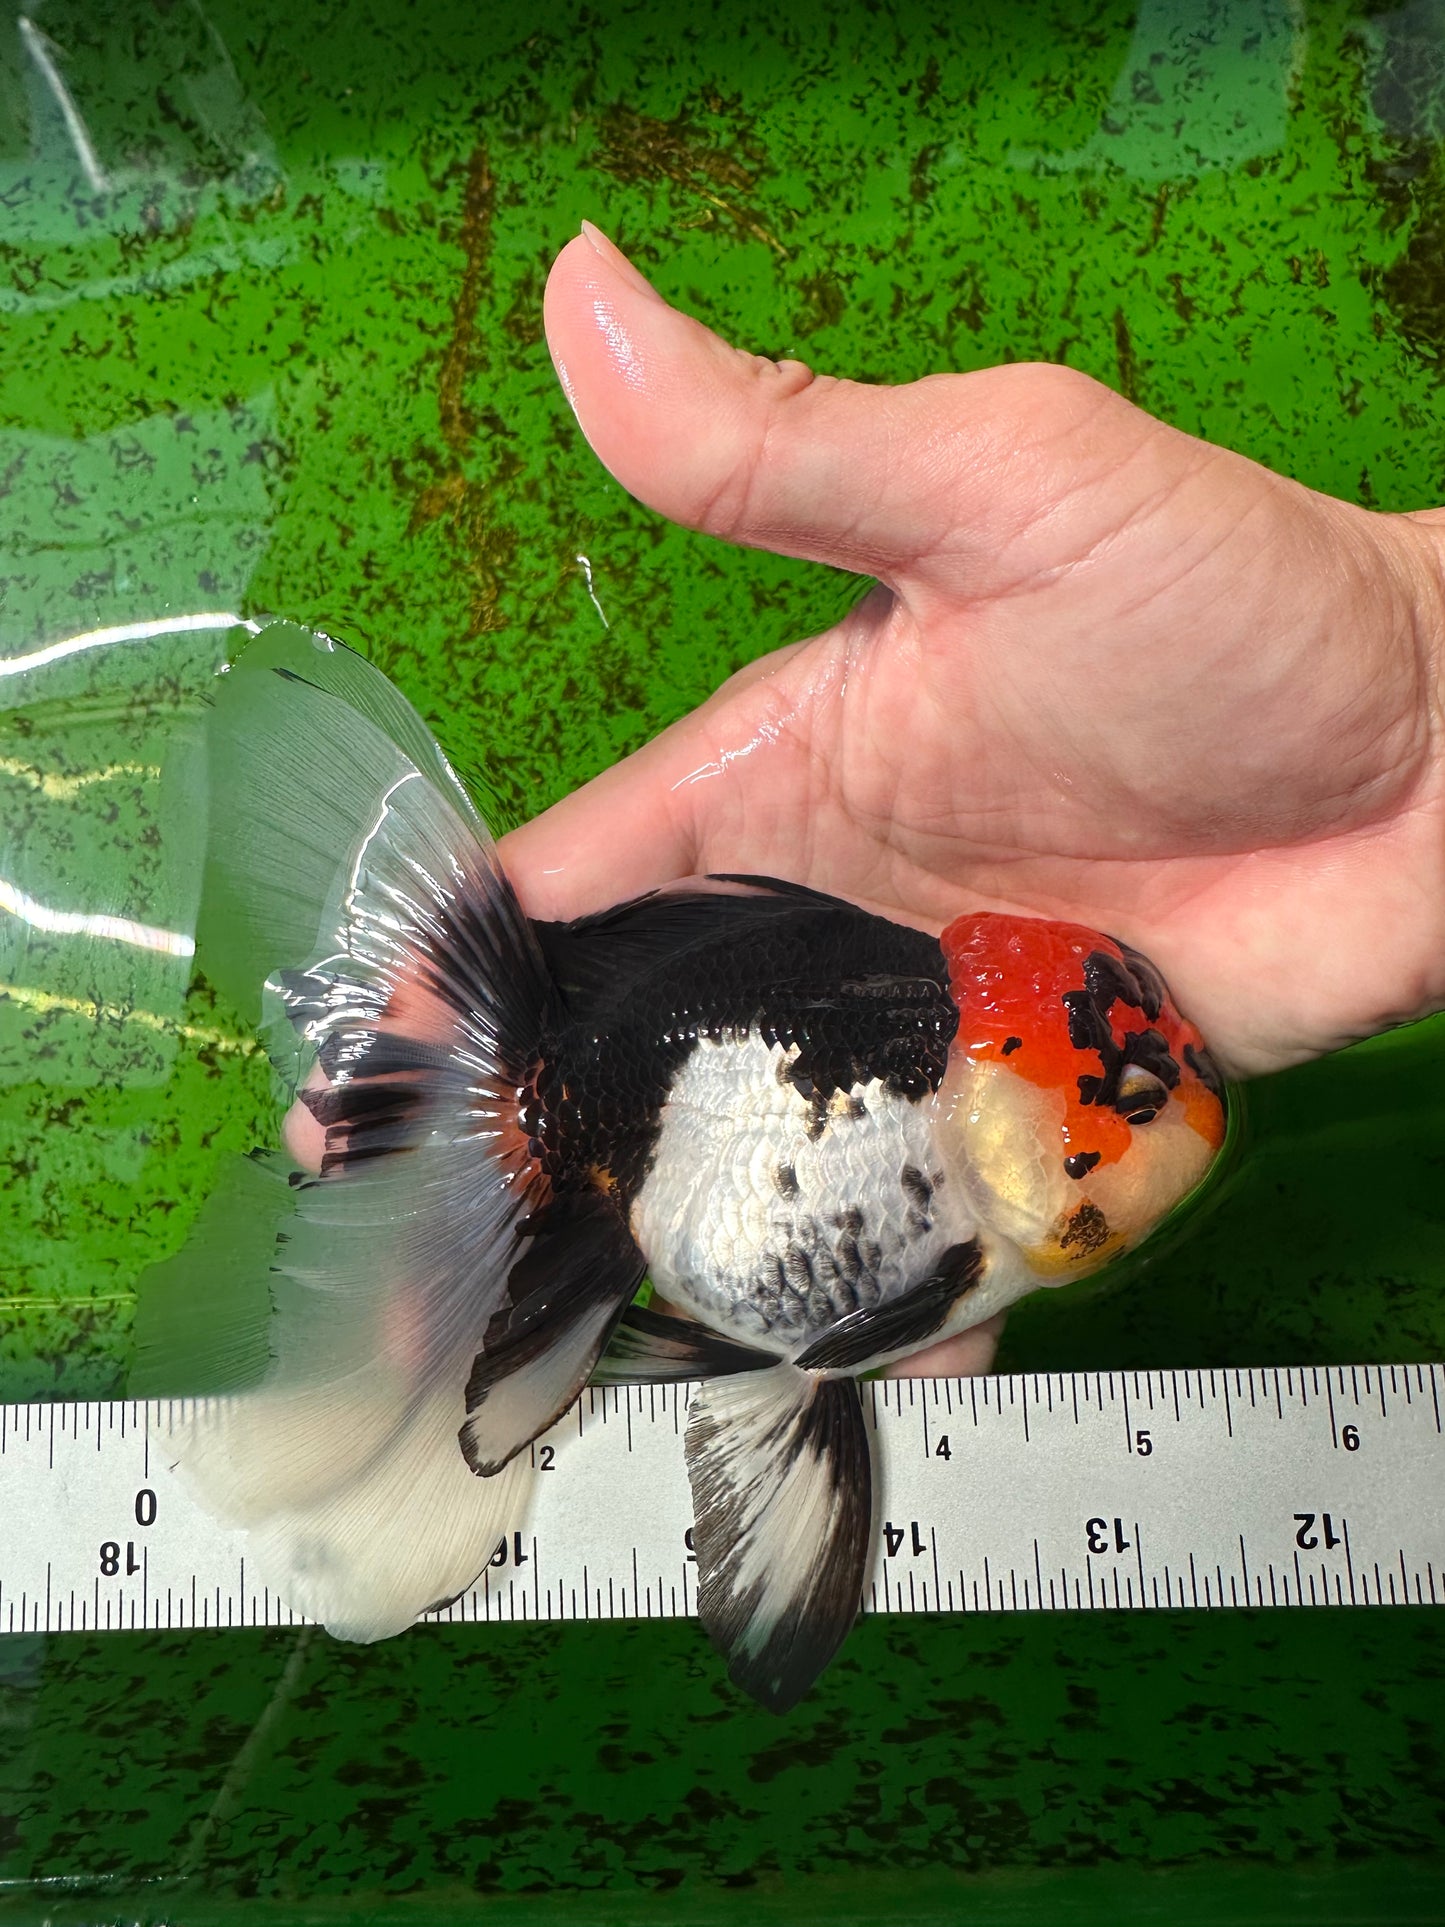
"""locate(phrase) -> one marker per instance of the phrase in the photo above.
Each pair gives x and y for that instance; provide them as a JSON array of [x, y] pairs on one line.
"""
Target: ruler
[[1305, 1487]]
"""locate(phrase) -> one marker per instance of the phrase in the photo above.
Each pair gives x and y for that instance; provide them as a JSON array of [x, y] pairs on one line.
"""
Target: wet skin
[[1110, 673]]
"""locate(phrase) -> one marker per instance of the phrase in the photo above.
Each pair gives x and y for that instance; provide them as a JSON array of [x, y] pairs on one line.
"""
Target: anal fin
[[782, 1502]]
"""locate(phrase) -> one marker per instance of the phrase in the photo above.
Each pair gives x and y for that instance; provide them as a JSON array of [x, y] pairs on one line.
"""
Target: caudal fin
[[355, 908], [782, 1501]]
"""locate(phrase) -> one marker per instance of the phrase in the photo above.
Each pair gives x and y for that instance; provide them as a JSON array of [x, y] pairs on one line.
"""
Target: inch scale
[[1311, 1486]]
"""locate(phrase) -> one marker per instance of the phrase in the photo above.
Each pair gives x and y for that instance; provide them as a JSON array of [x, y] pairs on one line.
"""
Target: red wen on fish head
[[1080, 1106]]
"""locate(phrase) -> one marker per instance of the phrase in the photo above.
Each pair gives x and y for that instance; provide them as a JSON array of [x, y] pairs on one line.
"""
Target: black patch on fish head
[[1205, 1069], [1087, 1231], [1138, 986]]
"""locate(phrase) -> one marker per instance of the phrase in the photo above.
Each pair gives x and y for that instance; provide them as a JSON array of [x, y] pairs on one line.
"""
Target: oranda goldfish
[[831, 1140]]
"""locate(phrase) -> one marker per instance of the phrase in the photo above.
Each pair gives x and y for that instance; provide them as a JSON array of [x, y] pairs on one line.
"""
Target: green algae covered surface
[[270, 341]]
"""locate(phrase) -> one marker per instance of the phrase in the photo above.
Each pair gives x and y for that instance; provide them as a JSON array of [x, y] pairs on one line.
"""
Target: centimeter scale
[[1311, 1486]]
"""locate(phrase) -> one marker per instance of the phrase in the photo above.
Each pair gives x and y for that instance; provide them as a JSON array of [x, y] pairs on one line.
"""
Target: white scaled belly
[[771, 1216]]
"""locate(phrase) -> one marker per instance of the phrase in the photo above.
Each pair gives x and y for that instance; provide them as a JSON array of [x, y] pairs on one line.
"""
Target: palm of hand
[[1116, 674], [1110, 673]]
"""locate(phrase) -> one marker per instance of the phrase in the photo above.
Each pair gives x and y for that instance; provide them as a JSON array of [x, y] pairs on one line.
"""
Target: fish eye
[[1141, 1096]]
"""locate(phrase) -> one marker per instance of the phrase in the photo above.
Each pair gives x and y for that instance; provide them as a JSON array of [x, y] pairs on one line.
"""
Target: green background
[[270, 341]]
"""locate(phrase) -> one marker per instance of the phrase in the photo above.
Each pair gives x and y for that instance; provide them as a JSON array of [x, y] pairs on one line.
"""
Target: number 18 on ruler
[[1309, 1486]]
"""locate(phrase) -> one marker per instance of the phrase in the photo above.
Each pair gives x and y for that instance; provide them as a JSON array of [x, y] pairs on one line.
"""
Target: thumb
[[876, 480]]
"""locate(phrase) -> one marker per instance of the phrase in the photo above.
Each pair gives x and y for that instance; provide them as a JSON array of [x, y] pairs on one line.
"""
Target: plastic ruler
[[1311, 1486]]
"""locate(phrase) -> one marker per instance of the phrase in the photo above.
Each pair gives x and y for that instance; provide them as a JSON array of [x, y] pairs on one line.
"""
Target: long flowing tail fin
[[355, 908]]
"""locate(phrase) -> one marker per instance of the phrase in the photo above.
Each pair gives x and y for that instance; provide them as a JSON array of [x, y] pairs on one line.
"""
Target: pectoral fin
[[892, 1330], [782, 1502]]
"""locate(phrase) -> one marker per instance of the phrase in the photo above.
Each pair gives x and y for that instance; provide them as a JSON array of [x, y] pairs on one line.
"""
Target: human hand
[[1111, 673]]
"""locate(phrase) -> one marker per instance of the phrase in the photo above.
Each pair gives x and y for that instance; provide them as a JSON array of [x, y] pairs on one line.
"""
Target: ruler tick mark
[[977, 1504]]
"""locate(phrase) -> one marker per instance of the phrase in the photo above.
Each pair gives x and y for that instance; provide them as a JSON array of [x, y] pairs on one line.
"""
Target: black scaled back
[[860, 997]]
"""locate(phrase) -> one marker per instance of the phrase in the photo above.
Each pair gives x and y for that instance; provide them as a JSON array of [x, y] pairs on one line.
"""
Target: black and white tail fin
[[782, 1502], [355, 908]]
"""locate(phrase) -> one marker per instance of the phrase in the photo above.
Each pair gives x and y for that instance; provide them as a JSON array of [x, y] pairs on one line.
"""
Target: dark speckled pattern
[[552, 1761], [271, 340]]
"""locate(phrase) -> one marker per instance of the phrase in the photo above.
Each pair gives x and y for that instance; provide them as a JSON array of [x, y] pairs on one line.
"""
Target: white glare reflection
[[125, 632], [60, 789], [46, 1001], [587, 574], [766, 733], [81, 923], [42, 52]]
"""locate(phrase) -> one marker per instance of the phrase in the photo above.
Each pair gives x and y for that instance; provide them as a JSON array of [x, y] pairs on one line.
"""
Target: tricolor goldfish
[[829, 1139]]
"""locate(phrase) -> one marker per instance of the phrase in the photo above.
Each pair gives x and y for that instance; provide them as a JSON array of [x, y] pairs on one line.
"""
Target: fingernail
[[611, 253]]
